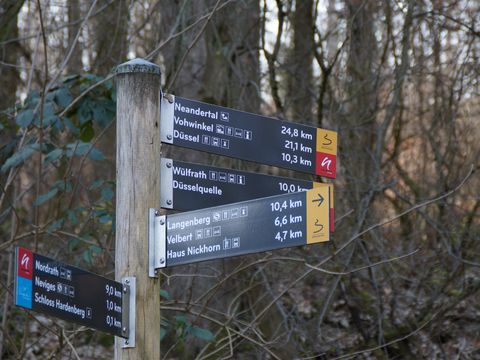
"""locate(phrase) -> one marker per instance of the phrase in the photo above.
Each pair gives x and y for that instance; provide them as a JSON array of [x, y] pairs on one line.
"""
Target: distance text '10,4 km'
[[245, 227]]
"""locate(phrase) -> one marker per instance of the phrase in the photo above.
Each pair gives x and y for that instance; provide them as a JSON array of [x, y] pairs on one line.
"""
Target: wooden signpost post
[[138, 189]]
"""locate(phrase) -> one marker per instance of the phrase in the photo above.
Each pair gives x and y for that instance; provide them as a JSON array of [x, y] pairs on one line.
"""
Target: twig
[[388, 343], [171, 37], [363, 267], [352, 239]]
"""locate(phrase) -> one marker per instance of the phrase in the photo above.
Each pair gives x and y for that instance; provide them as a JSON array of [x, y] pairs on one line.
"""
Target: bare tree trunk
[[300, 92], [357, 141], [74, 65], [232, 76], [9, 53], [111, 29]]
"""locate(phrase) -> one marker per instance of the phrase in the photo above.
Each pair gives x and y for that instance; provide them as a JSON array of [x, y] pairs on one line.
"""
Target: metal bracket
[[156, 242], [167, 107], [128, 311], [166, 183]]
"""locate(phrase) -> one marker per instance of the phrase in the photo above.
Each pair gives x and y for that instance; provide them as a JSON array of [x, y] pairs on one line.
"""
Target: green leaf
[[165, 294], [62, 185], [86, 132], [163, 333], [96, 184], [25, 118], [87, 256], [42, 198], [107, 194], [72, 244], [63, 97], [77, 149], [48, 109], [203, 334], [69, 78], [50, 96], [72, 217], [69, 124], [84, 113], [53, 155], [181, 319], [19, 157], [48, 114], [55, 225], [105, 219], [32, 99], [96, 155], [52, 120], [94, 249], [101, 113]]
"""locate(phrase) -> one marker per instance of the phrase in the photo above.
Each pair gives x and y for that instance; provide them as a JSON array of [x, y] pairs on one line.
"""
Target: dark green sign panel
[[67, 292], [187, 186], [224, 131], [246, 227]]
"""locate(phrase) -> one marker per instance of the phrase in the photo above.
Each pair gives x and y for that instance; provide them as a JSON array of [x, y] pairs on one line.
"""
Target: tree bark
[[75, 65], [300, 93], [111, 29]]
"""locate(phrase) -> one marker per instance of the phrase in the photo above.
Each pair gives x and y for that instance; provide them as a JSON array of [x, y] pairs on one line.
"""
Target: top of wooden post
[[138, 66]]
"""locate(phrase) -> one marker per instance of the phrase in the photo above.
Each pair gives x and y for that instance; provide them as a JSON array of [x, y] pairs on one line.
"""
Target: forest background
[[398, 80]]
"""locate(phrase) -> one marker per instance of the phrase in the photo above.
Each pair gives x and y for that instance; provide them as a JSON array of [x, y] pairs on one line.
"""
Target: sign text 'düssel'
[[248, 136], [247, 227], [67, 292]]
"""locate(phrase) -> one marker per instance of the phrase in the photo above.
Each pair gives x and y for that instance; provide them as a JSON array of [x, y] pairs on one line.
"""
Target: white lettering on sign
[[175, 254], [181, 135], [178, 238], [188, 172], [193, 124], [214, 190], [326, 161], [25, 260], [46, 268], [72, 309], [188, 110], [172, 225], [202, 249], [42, 299], [48, 286]]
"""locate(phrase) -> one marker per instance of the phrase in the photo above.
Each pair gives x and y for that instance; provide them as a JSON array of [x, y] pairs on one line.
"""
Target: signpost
[[69, 293], [247, 136], [241, 228]]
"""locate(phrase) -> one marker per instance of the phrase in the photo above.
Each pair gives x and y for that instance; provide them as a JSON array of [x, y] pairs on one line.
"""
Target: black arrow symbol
[[329, 142], [319, 200]]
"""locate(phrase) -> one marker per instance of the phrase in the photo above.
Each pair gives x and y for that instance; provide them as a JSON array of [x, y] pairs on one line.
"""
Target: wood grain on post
[[138, 189]]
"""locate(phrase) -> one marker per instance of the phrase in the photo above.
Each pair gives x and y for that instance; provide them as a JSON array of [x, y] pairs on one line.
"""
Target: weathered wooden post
[[138, 189]]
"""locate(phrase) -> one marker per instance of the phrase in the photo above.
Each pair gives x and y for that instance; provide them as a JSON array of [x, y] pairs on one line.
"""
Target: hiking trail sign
[[54, 288], [240, 228], [224, 131]]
